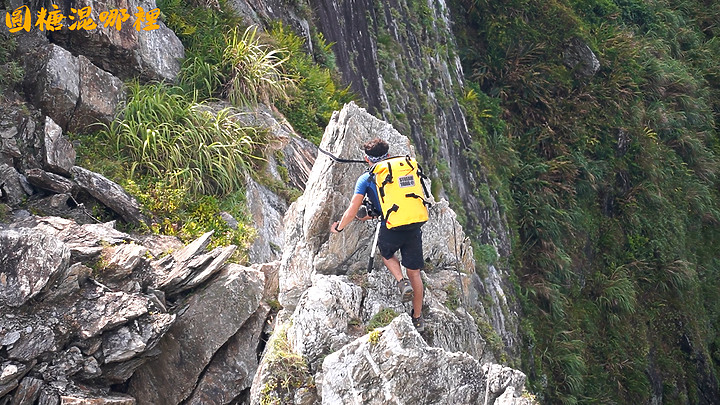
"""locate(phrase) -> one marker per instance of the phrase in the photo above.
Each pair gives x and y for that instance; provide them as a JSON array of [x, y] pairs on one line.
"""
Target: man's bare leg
[[417, 285], [393, 264]]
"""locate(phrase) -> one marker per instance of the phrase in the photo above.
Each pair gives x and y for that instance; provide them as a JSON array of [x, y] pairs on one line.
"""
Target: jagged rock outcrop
[[154, 54], [380, 50], [328, 297], [395, 365], [206, 321], [83, 309], [37, 165], [71, 90]]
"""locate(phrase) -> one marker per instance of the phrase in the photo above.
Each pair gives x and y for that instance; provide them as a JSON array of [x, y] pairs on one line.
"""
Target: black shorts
[[409, 242]]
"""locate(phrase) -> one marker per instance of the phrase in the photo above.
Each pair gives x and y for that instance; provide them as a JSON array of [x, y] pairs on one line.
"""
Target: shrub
[[167, 135], [256, 72]]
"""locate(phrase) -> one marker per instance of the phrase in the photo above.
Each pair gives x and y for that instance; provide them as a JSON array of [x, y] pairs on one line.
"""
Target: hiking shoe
[[418, 323], [406, 291]]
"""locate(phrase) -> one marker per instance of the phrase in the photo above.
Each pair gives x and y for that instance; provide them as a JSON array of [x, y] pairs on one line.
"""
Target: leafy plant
[[166, 135], [381, 319], [256, 72]]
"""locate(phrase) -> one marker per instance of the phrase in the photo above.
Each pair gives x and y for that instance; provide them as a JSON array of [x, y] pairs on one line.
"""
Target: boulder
[[374, 370], [120, 261], [135, 338], [29, 260], [204, 323], [100, 95], [52, 82], [28, 391], [71, 90], [50, 181], [100, 310], [581, 59], [233, 367], [22, 132], [12, 191], [320, 324], [85, 242], [109, 193], [126, 53], [59, 154]]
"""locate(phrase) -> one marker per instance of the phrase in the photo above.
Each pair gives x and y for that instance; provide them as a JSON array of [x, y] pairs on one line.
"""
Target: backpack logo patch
[[406, 181]]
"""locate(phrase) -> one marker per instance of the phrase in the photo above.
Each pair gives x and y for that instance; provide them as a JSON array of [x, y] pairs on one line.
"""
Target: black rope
[[340, 160]]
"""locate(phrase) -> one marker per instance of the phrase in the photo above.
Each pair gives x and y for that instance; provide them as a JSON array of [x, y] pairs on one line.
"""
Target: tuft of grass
[[166, 135], [288, 371], [256, 69], [381, 319], [11, 72]]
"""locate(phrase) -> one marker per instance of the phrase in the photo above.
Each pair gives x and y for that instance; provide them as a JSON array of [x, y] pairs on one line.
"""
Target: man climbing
[[406, 238]]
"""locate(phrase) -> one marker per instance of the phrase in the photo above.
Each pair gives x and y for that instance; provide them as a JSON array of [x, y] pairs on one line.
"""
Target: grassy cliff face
[[614, 187]]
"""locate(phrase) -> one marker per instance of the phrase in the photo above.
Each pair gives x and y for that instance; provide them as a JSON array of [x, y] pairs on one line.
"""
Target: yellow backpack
[[403, 195]]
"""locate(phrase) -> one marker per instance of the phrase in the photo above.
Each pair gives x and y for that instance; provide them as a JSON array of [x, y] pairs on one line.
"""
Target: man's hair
[[376, 147]]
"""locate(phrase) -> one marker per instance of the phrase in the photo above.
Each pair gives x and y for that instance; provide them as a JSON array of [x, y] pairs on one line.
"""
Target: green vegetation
[[185, 159], [11, 72], [311, 103], [611, 184], [164, 133], [381, 319], [287, 372], [256, 72]]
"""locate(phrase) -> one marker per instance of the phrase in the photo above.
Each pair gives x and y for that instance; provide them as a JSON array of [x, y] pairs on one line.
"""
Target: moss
[[381, 319]]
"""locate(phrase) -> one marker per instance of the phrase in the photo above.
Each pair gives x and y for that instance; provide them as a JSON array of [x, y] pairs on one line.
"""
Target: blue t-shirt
[[366, 186]]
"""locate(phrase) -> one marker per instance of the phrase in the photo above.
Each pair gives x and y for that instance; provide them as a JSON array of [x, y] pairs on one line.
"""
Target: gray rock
[[135, 338], [59, 153], [53, 83], [121, 260], [267, 210], [85, 242], [10, 370], [194, 268], [11, 190], [50, 181], [70, 282], [101, 311], [309, 246], [373, 370], [153, 55], [100, 95], [272, 278], [22, 131], [233, 366], [205, 322], [7, 388], [61, 205], [96, 399], [29, 260], [27, 392], [321, 320], [65, 364], [33, 342], [580, 58], [48, 397], [217, 258], [110, 194]]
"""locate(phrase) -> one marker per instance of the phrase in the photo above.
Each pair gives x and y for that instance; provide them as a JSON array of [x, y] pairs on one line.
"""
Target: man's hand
[[333, 227]]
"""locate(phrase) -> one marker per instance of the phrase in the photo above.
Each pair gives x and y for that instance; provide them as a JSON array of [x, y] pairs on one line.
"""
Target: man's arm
[[349, 214]]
